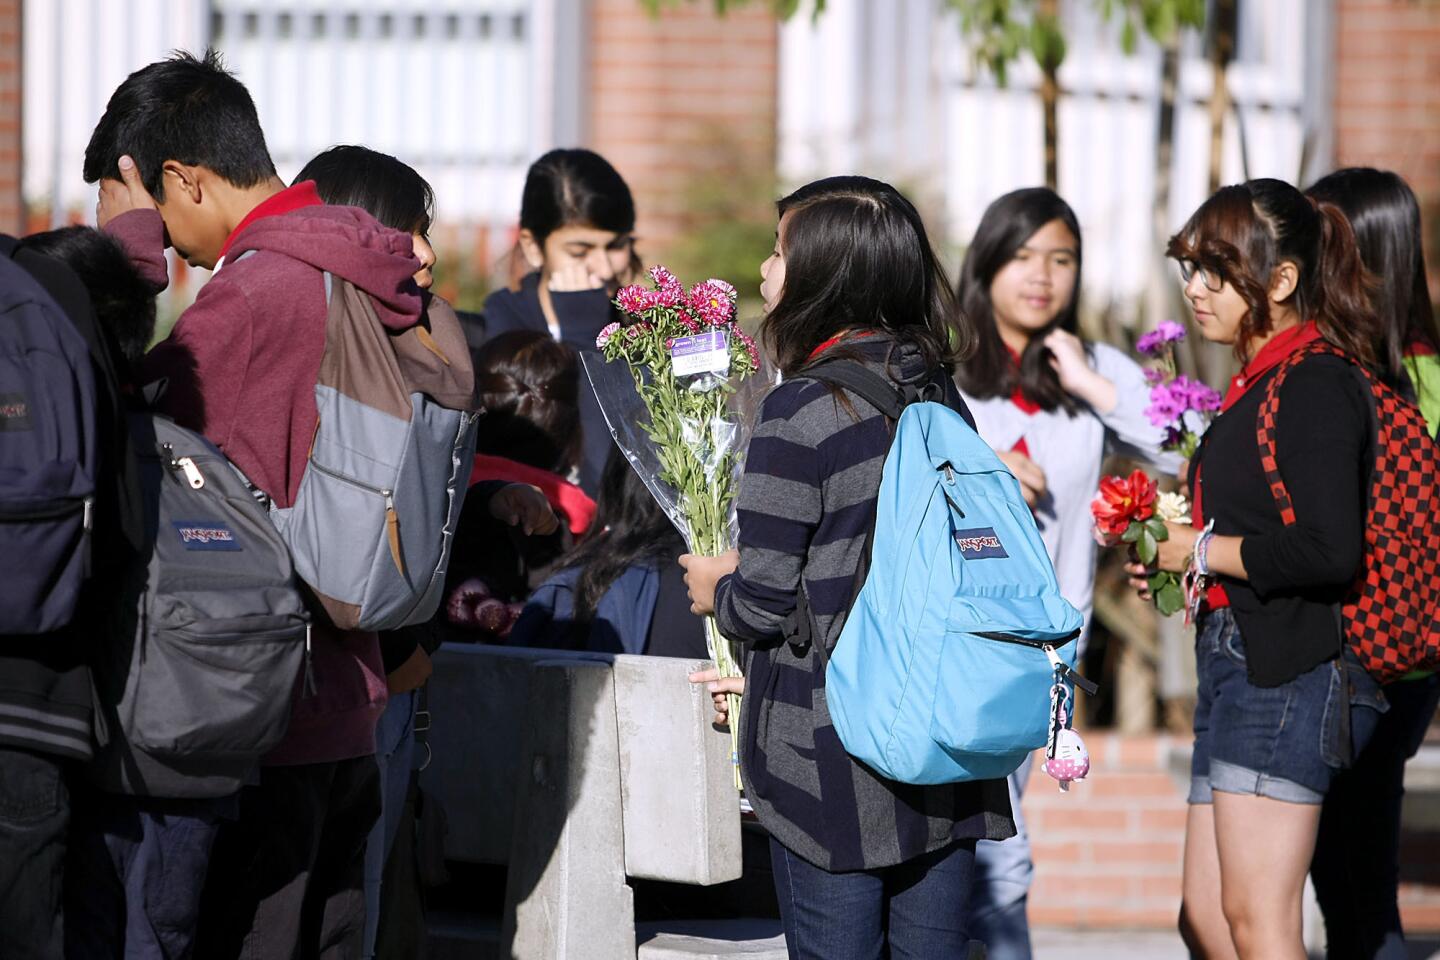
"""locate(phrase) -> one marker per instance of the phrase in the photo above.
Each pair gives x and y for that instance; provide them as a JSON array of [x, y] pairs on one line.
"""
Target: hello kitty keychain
[[1066, 758]]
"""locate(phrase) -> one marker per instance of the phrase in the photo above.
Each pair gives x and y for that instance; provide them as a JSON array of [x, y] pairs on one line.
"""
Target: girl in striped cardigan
[[860, 862]]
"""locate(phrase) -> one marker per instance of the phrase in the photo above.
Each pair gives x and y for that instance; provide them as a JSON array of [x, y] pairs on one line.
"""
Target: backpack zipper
[[184, 465], [1051, 654], [392, 518]]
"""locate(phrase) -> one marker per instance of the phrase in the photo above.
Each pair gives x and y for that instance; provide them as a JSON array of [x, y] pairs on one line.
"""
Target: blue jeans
[[1357, 852], [135, 872], [1003, 871], [917, 908], [395, 756], [34, 821], [1286, 742]]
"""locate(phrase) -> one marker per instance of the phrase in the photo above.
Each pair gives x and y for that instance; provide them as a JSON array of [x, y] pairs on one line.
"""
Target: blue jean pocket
[[1232, 645], [31, 791], [1353, 690]]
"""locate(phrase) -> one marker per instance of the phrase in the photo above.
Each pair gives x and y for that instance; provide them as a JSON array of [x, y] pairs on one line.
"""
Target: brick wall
[[1108, 854], [677, 98], [11, 209], [1387, 97]]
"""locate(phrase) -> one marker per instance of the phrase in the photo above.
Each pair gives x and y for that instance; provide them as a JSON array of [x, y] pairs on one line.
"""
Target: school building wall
[[1387, 98], [679, 99]]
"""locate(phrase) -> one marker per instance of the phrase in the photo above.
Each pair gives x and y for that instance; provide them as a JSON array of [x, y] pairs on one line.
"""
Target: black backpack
[[49, 453]]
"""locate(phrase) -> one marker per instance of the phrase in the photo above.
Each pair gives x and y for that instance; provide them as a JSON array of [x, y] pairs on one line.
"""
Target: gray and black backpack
[[194, 685]]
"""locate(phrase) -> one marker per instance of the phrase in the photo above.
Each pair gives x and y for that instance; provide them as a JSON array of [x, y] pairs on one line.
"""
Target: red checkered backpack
[[1392, 616]]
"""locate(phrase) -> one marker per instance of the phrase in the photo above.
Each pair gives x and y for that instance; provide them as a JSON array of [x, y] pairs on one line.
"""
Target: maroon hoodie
[[240, 367]]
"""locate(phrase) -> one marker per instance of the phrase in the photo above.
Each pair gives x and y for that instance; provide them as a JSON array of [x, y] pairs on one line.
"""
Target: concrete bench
[[578, 771]]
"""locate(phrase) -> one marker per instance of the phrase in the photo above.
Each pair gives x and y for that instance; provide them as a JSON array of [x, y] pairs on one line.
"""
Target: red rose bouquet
[[1132, 510]]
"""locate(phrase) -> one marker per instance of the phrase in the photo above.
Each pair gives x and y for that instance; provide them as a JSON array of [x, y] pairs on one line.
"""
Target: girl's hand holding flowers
[[721, 689], [701, 575], [1157, 527]]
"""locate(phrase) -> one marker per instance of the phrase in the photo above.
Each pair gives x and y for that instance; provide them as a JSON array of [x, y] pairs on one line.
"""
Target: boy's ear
[[182, 178], [530, 247]]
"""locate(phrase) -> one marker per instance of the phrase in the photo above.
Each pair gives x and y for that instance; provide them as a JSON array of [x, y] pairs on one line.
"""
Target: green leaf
[[1157, 529], [1146, 548], [1132, 533], [1128, 37], [1170, 599]]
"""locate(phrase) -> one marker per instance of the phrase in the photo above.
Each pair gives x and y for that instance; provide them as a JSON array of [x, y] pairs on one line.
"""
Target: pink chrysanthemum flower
[[633, 299], [668, 290], [750, 347], [605, 334], [711, 301]]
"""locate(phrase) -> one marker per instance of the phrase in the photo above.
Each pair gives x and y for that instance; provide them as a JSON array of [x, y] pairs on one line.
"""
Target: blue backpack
[[944, 667], [48, 457]]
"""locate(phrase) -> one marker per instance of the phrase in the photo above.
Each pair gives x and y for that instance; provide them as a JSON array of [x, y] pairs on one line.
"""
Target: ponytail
[[1342, 306], [1245, 232]]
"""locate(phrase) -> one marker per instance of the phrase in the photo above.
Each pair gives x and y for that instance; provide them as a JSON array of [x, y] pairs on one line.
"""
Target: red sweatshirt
[[241, 366]]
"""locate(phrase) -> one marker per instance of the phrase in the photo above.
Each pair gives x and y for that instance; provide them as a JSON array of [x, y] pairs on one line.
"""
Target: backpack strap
[[890, 399], [874, 389], [1268, 416]]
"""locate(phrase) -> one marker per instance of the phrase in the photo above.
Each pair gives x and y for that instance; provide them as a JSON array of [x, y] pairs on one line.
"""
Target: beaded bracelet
[[1202, 549]]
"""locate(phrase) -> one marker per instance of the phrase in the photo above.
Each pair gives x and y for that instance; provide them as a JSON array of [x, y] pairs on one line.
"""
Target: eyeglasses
[[1212, 278]]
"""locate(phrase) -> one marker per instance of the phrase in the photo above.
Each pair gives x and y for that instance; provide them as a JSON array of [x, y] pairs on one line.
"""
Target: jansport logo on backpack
[[14, 412], [197, 684], [981, 544], [944, 666], [197, 535], [1392, 616], [372, 524]]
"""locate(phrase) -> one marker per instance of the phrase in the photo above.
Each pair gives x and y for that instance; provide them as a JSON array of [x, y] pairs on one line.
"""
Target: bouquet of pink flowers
[[1178, 404], [671, 382]]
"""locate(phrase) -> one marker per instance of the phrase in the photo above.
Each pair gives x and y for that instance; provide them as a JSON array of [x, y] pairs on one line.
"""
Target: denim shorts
[[1284, 742]]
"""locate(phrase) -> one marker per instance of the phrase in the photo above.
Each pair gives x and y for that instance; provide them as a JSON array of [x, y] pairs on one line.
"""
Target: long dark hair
[[384, 187], [1385, 216], [124, 303], [857, 256], [629, 528], [1244, 232], [527, 386], [1007, 225]]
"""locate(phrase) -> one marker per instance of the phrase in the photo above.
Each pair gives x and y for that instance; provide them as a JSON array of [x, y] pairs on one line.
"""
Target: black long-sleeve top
[[1288, 609]]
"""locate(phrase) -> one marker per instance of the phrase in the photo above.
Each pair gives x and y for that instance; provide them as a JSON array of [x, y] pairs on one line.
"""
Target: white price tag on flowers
[[707, 352]]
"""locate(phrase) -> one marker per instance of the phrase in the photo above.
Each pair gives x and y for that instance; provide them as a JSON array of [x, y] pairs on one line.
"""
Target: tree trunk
[[1222, 49], [1050, 101], [1050, 104]]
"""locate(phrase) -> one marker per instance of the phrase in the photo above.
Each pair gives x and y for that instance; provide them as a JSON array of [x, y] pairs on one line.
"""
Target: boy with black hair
[[180, 156]]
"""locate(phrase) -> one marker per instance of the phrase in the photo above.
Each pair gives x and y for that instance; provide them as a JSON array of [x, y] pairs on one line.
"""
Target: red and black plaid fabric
[[1390, 616]]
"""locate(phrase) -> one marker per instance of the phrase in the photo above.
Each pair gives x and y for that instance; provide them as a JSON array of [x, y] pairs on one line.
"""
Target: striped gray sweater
[[806, 504]]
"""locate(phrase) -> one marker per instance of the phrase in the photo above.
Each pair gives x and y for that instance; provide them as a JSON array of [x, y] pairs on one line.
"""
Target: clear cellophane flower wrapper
[[677, 386]]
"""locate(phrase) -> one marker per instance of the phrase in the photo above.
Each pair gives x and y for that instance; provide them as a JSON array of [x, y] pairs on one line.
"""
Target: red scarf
[[1023, 403], [842, 335], [577, 509], [1275, 352], [301, 195]]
